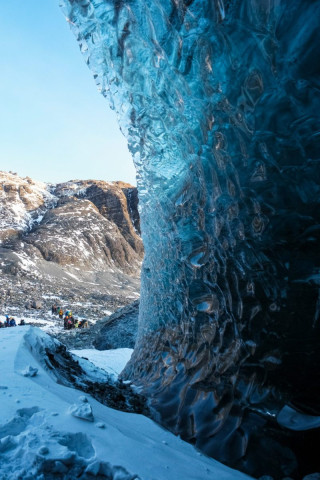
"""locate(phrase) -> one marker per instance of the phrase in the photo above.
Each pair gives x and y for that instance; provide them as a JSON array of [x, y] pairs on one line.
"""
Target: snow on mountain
[[76, 234], [48, 430], [74, 243], [74, 223], [23, 203]]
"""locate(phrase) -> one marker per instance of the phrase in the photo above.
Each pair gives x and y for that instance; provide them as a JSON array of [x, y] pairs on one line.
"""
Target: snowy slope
[[23, 203], [39, 434], [112, 361]]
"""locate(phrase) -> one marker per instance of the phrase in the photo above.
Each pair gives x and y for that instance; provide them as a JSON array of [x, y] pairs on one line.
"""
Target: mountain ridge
[[73, 239]]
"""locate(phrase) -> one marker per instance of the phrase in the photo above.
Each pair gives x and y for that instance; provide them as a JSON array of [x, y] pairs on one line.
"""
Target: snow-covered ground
[[51, 431], [112, 361]]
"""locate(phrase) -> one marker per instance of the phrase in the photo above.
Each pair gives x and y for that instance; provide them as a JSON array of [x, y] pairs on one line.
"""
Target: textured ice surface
[[220, 105], [290, 418]]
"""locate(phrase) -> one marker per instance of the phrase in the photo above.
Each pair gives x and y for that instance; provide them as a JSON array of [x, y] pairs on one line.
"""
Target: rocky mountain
[[75, 243]]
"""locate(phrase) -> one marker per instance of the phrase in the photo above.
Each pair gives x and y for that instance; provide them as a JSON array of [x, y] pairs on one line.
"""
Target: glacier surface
[[219, 101]]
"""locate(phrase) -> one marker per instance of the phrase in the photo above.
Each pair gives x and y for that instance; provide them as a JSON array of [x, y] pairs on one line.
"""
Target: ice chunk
[[83, 411], [101, 425], [29, 371]]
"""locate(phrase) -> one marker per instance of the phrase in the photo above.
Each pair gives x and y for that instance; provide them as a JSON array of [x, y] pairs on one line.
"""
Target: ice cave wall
[[220, 104]]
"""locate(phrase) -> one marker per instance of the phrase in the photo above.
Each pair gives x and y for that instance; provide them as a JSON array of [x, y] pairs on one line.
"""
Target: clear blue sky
[[54, 124]]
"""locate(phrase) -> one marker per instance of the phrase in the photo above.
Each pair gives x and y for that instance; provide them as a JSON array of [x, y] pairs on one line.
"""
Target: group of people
[[10, 322], [69, 321]]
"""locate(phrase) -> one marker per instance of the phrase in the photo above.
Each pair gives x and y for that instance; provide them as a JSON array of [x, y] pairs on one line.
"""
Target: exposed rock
[[36, 304], [119, 330], [76, 234], [117, 203]]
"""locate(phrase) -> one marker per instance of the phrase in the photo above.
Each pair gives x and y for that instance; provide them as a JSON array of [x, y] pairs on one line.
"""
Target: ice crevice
[[219, 102]]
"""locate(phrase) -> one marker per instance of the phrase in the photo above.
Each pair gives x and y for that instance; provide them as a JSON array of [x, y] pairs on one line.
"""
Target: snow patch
[[112, 361]]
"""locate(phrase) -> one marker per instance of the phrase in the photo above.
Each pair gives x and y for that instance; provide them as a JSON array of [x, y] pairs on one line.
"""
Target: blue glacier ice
[[219, 101]]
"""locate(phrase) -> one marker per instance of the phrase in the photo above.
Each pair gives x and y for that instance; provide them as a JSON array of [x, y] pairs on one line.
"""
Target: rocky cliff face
[[78, 239]]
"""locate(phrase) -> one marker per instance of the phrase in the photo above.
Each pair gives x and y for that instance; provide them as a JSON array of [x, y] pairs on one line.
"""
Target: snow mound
[[39, 439]]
